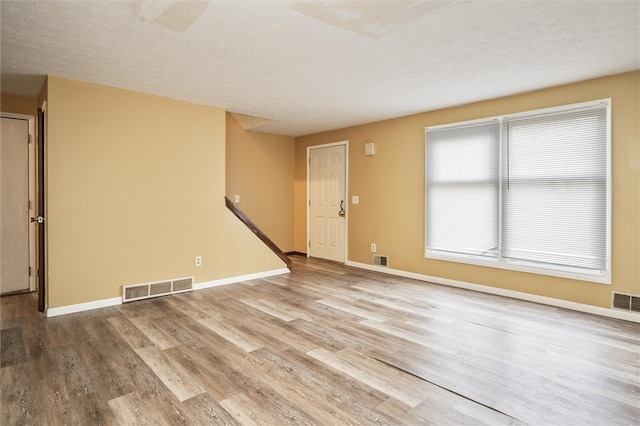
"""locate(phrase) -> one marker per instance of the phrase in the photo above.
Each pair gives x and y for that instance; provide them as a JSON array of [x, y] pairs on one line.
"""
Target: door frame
[[41, 185], [344, 143], [31, 121]]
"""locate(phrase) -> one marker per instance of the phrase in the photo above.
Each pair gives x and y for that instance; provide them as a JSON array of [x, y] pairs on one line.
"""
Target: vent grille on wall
[[628, 302], [159, 288], [380, 260]]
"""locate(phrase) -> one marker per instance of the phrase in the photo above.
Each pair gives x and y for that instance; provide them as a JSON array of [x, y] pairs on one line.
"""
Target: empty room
[[320, 212]]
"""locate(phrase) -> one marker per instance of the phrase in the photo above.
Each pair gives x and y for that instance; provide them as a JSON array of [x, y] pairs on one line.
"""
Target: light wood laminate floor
[[326, 344]]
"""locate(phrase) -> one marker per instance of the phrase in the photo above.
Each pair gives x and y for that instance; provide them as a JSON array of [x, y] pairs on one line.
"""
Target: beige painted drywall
[[18, 104], [391, 190], [260, 169], [135, 190]]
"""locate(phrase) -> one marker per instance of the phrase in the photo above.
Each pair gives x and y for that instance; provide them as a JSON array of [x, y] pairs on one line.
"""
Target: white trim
[[521, 114], [30, 118], [581, 307], [87, 306], [522, 266], [346, 193], [233, 280], [96, 304]]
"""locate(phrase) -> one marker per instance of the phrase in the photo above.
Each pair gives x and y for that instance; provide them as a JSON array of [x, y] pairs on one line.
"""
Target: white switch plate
[[198, 260], [236, 199], [355, 199], [373, 247]]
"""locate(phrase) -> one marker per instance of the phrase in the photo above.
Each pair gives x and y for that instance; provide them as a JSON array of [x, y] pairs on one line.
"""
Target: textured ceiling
[[309, 66]]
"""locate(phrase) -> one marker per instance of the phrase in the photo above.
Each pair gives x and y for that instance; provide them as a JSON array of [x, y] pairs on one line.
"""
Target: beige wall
[[391, 189], [18, 104], [135, 190], [260, 168]]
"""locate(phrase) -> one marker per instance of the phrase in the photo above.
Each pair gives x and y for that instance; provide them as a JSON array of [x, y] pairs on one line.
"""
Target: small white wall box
[[369, 148]]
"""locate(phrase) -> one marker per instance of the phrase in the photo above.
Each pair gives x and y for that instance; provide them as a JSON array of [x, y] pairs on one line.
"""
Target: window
[[529, 191]]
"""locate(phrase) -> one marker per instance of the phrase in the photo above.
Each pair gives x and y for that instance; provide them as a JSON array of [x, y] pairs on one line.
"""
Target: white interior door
[[327, 203], [14, 205]]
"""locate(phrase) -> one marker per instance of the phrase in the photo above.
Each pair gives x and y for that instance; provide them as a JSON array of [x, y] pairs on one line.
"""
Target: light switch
[[236, 199], [355, 199]]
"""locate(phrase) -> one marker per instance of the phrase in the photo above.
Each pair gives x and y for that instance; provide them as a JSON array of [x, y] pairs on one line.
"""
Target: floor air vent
[[380, 260], [628, 302], [159, 288]]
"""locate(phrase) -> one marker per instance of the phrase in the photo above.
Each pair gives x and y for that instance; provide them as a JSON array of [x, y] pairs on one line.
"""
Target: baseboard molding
[[581, 307], [80, 307], [104, 303], [232, 280]]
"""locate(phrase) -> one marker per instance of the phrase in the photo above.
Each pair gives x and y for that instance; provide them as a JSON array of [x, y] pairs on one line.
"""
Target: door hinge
[[30, 139], [309, 203], [29, 270], [29, 204], [309, 244]]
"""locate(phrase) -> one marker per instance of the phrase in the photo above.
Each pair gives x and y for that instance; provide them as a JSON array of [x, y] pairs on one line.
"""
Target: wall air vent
[[154, 289], [628, 302], [380, 260]]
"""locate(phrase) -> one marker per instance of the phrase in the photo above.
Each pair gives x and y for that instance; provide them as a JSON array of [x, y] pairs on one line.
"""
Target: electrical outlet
[[198, 260], [236, 199], [373, 247]]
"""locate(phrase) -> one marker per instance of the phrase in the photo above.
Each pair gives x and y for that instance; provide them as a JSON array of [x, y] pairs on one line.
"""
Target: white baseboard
[[87, 306], [581, 307], [96, 304], [232, 280]]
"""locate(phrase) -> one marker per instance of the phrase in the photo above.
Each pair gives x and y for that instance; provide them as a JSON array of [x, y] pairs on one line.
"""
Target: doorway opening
[[17, 204]]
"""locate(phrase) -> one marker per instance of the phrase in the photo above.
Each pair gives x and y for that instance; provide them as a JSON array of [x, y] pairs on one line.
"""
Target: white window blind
[[528, 190], [462, 189]]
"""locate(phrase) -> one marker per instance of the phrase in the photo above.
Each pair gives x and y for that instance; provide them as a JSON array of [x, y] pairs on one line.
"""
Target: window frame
[[523, 266]]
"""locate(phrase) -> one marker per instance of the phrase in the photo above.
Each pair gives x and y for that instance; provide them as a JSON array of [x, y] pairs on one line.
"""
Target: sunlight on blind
[[531, 189]]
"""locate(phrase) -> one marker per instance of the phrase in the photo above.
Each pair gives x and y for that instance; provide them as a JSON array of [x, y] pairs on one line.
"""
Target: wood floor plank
[[188, 306], [324, 291], [423, 339], [297, 376], [355, 310], [77, 373], [56, 402], [129, 332], [404, 388], [12, 348], [232, 334], [204, 410], [153, 332], [129, 409], [173, 376], [245, 412], [218, 379], [285, 305], [269, 308], [19, 395], [134, 409]]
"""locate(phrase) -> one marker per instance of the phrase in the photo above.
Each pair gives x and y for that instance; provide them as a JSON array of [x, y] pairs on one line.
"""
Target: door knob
[[341, 212]]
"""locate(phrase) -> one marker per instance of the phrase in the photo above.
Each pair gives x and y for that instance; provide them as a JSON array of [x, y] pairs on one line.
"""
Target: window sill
[[604, 278]]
